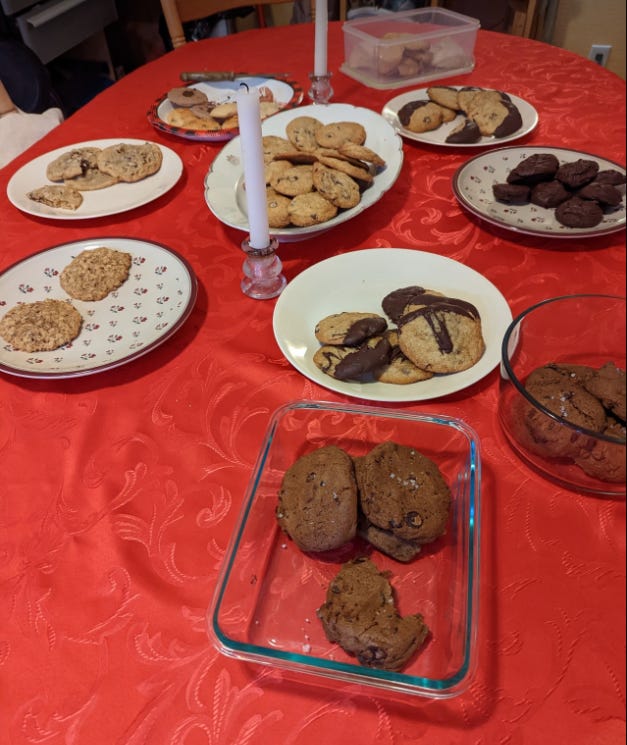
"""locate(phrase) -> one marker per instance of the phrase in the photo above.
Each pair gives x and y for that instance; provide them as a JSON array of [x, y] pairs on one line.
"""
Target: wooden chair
[[178, 12], [523, 16]]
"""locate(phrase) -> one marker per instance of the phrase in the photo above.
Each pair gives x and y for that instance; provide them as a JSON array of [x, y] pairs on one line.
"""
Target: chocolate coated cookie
[[349, 328]]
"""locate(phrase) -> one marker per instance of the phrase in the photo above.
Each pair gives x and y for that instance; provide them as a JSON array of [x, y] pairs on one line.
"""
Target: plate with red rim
[[285, 93]]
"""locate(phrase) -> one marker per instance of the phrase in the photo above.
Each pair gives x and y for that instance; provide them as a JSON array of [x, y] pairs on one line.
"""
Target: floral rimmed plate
[[438, 136], [473, 181], [147, 309], [285, 93]]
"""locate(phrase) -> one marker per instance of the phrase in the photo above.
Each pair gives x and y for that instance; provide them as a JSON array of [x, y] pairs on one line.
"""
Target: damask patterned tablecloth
[[119, 491]]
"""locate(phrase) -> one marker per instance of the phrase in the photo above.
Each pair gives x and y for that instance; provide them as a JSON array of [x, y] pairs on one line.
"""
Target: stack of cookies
[[434, 334], [316, 171], [578, 191], [92, 168], [588, 398], [192, 109], [486, 113], [396, 499]]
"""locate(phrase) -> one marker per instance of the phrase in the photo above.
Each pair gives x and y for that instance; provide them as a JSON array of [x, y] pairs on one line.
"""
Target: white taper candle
[[321, 31], [249, 117]]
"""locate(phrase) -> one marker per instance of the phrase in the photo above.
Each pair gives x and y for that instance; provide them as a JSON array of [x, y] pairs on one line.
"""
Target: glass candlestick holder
[[321, 90], [263, 278]]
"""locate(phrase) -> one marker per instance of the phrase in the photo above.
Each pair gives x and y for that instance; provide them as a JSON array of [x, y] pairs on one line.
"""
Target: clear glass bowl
[[265, 602], [573, 329]]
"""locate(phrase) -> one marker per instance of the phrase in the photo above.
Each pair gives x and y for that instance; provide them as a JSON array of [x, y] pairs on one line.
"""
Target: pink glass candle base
[[262, 271], [321, 90]]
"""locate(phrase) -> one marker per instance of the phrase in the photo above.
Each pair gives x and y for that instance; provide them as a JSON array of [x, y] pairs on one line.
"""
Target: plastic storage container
[[403, 49]]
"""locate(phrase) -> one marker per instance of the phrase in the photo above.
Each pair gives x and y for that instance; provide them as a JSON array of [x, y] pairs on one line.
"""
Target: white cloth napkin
[[19, 130]]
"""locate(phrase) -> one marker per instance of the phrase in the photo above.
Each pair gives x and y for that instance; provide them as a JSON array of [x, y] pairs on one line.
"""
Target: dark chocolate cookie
[[577, 173], [361, 616], [403, 491], [511, 193], [318, 500], [549, 194], [579, 213], [605, 194], [535, 168]]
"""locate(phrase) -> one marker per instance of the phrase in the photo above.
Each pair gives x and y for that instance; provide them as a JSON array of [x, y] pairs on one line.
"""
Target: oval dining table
[[119, 491]]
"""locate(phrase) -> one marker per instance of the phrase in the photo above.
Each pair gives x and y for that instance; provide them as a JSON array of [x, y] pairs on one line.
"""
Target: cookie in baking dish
[[360, 614], [403, 491], [317, 504]]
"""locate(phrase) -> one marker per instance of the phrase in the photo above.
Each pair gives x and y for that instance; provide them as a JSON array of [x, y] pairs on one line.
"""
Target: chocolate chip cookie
[[360, 615], [317, 504]]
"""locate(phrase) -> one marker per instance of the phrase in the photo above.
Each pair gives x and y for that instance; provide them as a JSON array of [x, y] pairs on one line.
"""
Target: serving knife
[[216, 76]]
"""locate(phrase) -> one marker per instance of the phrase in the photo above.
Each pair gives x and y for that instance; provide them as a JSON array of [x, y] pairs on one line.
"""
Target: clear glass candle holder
[[320, 91], [263, 278]]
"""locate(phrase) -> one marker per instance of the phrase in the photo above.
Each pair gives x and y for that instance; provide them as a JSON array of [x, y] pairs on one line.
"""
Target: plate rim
[[404, 392], [223, 135], [296, 234], [489, 143], [176, 162], [533, 149], [167, 333]]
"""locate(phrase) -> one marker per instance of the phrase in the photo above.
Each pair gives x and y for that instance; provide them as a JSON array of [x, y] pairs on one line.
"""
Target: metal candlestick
[[262, 271], [321, 90]]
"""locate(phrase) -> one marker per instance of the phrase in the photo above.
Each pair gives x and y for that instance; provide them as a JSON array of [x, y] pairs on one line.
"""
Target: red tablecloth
[[119, 491]]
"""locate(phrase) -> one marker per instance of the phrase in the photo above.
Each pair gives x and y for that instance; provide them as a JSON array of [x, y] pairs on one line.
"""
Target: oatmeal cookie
[[41, 326], [94, 273], [400, 370]]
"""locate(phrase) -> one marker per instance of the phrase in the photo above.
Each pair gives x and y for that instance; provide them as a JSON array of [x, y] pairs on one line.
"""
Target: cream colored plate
[[438, 136], [224, 189], [359, 281], [103, 202]]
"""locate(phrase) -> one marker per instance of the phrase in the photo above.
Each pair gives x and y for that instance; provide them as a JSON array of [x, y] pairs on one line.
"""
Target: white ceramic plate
[[359, 281], [103, 202], [147, 309], [473, 181], [224, 189], [438, 136], [285, 93]]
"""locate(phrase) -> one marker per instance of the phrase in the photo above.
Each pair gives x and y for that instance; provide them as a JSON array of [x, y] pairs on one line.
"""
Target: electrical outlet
[[599, 53]]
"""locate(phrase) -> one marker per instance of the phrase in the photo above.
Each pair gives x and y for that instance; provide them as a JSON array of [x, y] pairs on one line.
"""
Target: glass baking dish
[[264, 606]]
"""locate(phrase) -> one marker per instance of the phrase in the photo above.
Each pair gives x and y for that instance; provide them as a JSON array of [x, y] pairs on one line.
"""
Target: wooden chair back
[[178, 12]]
